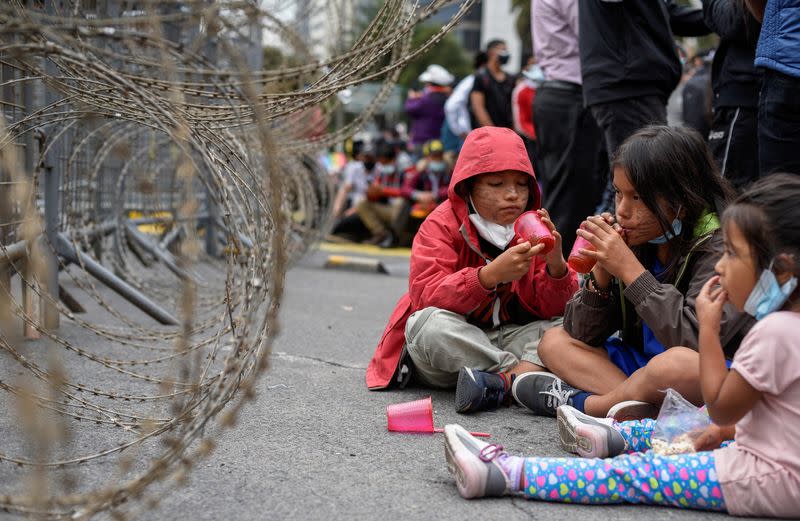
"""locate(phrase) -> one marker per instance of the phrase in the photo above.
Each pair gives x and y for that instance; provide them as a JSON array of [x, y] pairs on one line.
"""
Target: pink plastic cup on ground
[[577, 260], [416, 416], [529, 226]]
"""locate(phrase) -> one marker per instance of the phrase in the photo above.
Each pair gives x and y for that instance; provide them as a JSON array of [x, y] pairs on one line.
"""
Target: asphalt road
[[315, 445]]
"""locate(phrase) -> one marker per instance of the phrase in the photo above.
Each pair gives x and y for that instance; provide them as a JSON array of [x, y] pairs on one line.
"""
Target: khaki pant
[[380, 218], [441, 342]]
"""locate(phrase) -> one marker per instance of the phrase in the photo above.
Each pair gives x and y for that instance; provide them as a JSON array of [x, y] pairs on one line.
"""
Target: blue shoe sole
[[464, 398]]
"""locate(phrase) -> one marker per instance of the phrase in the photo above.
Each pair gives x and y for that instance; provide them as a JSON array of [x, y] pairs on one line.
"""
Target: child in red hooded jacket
[[479, 297]]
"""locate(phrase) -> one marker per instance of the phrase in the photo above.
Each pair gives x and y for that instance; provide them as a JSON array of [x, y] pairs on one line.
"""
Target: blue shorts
[[630, 359]]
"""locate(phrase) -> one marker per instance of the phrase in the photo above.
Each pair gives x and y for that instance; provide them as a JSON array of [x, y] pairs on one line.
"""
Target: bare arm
[[726, 393], [478, 101], [341, 198]]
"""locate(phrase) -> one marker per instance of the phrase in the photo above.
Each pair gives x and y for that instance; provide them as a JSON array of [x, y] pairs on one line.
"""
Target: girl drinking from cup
[[632, 330], [758, 397]]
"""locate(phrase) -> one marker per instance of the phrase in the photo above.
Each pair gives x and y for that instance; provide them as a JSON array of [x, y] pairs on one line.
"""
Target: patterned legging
[[637, 434], [685, 481]]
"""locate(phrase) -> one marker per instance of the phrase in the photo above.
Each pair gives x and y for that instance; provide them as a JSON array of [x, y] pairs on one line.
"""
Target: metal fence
[[155, 183]]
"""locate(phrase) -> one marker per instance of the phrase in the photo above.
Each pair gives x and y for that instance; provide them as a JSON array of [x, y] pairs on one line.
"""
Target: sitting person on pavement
[[356, 176], [479, 298], [385, 208], [427, 187], [755, 401], [652, 261]]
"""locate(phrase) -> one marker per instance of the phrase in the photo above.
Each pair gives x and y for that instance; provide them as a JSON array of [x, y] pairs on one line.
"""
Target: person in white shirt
[[456, 108]]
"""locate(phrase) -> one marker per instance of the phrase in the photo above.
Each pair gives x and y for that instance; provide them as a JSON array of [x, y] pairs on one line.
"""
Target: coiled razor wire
[[144, 150]]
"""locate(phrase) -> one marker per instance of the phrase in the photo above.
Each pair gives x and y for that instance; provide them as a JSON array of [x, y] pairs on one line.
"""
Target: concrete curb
[[360, 264]]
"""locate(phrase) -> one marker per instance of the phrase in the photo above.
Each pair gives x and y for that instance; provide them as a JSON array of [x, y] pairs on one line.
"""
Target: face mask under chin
[[497, 234], [768, 295]]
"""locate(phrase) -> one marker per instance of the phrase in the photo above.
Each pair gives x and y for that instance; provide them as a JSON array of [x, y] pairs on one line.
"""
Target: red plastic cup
[[577, 260], [529, 226], [416, 416]]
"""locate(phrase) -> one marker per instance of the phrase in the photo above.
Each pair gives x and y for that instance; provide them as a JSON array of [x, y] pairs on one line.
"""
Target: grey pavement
[[315, 445]]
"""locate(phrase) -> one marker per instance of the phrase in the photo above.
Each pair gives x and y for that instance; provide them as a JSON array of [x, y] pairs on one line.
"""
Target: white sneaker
[[587, 436], [475, 464], [633, 410]]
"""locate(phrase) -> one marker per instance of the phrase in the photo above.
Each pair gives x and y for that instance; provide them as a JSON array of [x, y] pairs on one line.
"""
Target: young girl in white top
[[758, 398]]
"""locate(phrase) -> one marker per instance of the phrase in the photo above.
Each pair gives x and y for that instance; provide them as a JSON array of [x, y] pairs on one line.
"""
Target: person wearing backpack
[[490, 99]]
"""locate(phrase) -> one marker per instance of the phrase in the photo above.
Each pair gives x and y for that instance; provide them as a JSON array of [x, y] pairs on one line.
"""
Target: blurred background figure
[[490, 99], [427, 187], [571, 162], [356, 176], [734, 129], [697, 96], [456, 108], [426, 109], [385, 210], [522, 106]]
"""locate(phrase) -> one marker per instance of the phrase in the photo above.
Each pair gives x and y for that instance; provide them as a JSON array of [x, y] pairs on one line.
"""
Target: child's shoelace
[[490, 452]]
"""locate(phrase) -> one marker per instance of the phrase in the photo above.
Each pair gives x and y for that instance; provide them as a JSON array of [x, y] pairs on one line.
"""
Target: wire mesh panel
[[156, 183]]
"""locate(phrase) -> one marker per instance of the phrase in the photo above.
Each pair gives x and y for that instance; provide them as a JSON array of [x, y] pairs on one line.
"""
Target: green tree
[[522, 22], [448, 53]]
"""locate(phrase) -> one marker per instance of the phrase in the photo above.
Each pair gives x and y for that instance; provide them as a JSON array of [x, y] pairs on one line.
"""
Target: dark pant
[[779, 123], [572, 161], [619, 120], [734, 142]]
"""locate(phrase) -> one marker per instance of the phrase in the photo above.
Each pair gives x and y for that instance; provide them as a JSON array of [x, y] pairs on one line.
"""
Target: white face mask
[[496, 234]]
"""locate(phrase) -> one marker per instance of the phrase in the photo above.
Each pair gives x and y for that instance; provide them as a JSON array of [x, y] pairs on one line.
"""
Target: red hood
[[491, 149]]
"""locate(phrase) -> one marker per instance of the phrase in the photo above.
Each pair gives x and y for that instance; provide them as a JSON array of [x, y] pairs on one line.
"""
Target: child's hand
[[710, 302], [510, 265], [611, 249], [713, 437], [556, 265]]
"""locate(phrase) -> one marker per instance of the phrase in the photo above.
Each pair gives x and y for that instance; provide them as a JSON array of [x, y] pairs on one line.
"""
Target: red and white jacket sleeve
[[546, 296], [436, 279]]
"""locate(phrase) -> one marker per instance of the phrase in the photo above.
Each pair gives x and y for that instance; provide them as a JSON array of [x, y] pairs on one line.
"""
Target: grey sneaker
[[632, 410], [542, 393], [474, 464], [587, 436]]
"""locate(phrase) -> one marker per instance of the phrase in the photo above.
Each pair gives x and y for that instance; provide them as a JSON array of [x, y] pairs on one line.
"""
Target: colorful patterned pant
[[637, 434], [685, 481]]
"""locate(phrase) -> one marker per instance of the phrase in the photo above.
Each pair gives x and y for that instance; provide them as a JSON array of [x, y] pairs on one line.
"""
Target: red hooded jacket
[[446, 255]]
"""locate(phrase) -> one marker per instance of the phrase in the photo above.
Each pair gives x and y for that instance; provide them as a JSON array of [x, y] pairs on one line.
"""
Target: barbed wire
[[148, 152]]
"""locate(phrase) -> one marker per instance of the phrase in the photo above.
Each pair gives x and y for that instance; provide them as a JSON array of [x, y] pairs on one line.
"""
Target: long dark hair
[[768, 216], [673, 164]]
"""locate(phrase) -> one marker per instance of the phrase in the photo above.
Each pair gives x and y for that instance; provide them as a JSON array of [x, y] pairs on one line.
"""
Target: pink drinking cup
[[415, 416], [529, 226], [577, 260]]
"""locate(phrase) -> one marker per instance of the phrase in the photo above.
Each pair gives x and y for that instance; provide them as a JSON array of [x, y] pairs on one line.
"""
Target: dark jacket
[[697, 101], [668, 309], [734, 77], [627, 47]]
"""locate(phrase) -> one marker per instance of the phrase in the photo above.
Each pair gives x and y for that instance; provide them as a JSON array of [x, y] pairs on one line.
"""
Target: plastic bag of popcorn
[[678, 426]]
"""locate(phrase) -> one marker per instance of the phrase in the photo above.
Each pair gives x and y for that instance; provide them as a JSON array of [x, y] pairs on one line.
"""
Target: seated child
[[757, 475]]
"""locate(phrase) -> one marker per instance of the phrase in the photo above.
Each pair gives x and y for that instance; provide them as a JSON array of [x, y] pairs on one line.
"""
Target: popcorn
[[683, 444]]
